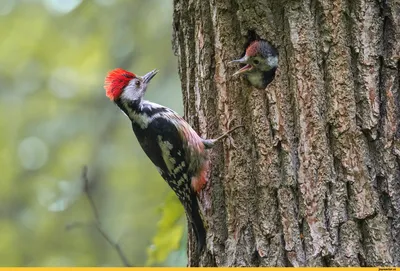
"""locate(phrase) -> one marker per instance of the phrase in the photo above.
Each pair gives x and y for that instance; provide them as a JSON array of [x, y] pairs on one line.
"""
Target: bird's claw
[[228, 134], [232, 142]]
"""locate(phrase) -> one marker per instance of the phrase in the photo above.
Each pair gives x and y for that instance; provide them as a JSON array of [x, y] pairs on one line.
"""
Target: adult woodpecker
[[177, 151], [261, 62]]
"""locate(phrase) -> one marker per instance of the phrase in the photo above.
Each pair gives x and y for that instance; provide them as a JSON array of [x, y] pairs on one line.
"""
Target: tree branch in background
[[97, 224]]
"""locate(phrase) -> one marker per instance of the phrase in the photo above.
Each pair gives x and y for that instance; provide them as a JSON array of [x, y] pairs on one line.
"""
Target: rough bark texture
[[314, 178]]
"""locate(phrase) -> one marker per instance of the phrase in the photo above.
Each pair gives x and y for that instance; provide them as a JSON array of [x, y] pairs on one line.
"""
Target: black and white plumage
[[177, 151]]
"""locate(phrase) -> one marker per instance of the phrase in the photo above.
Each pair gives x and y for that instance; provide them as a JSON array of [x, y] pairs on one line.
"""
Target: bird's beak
[[242, 60], [148, 76], [248, 67]]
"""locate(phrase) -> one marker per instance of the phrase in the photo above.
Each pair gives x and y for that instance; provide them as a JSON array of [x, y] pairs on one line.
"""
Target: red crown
[[115, 82], [253, 48]]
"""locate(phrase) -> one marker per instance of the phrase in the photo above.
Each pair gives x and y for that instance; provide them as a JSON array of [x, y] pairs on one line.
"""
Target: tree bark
[[314, 177]]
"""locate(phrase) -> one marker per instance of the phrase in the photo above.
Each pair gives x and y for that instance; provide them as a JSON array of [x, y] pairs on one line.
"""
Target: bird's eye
[[256, 62], [137, 83]]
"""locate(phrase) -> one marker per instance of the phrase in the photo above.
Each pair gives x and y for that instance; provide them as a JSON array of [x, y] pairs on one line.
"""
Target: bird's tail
[[197, 223]]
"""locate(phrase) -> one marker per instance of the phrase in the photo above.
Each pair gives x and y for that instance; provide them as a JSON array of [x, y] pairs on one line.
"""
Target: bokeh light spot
[[33, 153], [57, 196], [62, 82], [61, 6], [6, 6]]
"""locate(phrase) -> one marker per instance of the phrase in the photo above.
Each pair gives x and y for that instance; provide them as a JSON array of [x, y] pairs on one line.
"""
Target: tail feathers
[[197, 224]]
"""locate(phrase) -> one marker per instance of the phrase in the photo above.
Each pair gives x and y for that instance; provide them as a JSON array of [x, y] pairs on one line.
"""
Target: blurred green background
[[55, 118]]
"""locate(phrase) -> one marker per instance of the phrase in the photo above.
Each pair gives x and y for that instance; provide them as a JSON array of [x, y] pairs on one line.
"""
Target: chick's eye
[[256, 61], [137, 83]]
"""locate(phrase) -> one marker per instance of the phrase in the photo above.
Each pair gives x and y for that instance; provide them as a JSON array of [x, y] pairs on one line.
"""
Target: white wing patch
[[166, 148], [142, 119]]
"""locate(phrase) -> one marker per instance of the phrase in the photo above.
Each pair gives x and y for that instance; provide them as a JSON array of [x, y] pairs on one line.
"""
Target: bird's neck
[[141, 112], [129, 107], [261, 79]]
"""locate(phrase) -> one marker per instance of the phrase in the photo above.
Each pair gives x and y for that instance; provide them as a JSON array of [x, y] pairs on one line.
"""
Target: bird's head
[[260, 57], [121, 84]]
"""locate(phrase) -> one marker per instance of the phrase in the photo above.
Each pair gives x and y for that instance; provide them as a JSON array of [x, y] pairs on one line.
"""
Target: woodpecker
[[177, 151], [261, 62]]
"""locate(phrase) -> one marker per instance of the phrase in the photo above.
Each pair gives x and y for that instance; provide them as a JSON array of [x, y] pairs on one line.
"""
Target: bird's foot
[[209, 143]]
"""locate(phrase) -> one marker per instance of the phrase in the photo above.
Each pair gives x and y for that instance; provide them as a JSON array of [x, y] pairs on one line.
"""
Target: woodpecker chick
[[177, 151], [261, 62]]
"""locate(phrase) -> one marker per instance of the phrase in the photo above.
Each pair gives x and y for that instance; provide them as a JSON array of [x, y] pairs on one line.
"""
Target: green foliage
[[169, 231], [55, 117]]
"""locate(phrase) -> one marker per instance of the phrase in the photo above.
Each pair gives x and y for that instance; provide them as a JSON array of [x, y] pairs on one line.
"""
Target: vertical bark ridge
[[390, 196], [316, 166], [238, 170], [214, 199], [348, 142]]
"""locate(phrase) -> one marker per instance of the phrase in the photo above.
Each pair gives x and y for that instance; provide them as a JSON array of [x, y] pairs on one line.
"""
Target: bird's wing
[[175, 148]]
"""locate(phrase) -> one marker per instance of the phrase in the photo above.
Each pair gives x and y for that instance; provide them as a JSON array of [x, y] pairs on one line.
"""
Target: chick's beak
[[148, 76], [248, 67], [242, 60]]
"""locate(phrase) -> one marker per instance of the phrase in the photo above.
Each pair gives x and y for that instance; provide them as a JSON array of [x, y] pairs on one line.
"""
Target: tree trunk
[[314, 177]]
